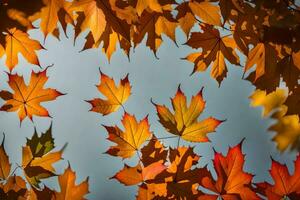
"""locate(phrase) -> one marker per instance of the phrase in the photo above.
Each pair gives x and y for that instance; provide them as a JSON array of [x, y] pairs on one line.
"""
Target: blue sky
[[77, 73]]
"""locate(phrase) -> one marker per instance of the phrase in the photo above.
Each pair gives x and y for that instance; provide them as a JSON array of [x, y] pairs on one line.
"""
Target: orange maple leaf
[[116, 95], [19, 42], [26, 99], [184, 121], [53, 12], [128, 141], [232, 182], [286, 186], [138, 174], [5, 166], [69, 189]]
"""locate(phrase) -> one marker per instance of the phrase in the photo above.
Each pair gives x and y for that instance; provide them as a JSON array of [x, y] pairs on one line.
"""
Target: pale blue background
[[77, 73]]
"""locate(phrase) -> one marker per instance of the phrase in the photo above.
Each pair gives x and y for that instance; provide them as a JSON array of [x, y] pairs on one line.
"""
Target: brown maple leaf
[[214, 50]]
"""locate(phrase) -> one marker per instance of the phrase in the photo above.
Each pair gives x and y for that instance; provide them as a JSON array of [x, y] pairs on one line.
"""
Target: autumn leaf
[[138, 174], [285, 185], [13, 188], [269, 102], [26, 99], [5, 166], [214, 50], [53, 12], [288, 132], [130, 140], [153, 152], [153, 5], [45, 194], [184, 121], [94, 17], [185, 17], [262, 55], [105, 25], [154, 24], [19, 42], [232, 182], [68, 187], [115, 95], [38, 158], [207, 11], [287, 127], [181, 179]]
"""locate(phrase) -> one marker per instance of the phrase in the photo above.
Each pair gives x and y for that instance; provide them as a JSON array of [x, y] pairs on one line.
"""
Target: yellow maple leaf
[[116, 95], [131, 139], [184, 121], [287, 127]]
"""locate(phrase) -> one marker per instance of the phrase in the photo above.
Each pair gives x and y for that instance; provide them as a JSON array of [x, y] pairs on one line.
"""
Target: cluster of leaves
[[38, 158], [172, 173], [265, 32]]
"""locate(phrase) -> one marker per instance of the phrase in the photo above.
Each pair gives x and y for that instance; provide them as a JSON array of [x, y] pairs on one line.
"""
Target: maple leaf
[[227, 8], [69, 190], [184, 121], [153, 5], [154, 24], [5, 166], [285, 186], [13, 188], [286, 68], [185, 17], [116, 95], [104, 24], [232, 182], [288, 132], [37, 158], [180, 180], [53, 12], [214, 50], [207, 11], [130, 140], [138, 174], [19, 42], [45, 194], [153, 152], [287, 127], [270, 102], [26, 99], [261, 55]]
